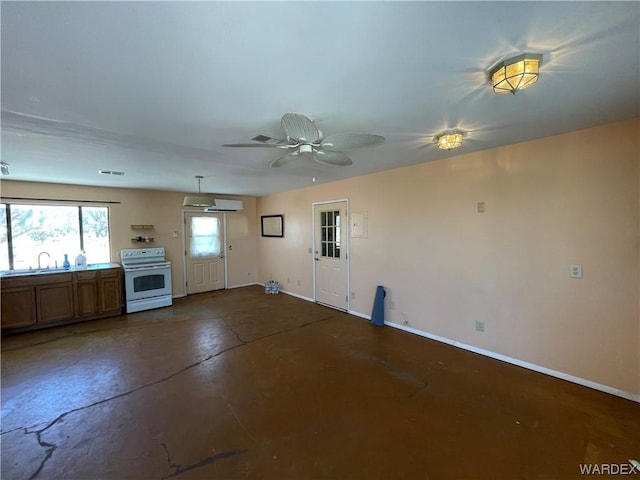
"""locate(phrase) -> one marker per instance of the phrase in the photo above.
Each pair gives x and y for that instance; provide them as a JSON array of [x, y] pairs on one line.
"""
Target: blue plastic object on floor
[[377, 316]]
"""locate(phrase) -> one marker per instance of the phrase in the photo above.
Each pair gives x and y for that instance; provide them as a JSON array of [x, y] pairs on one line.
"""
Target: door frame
[[347, 245], [184, 247]]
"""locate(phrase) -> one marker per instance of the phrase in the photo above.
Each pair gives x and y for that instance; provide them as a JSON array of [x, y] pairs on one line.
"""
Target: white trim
[[308, 299], [184, 251], [358, 314], [347, 250], [521, 363], [184, 245], [514, 361], [244, 285], [225, 251]]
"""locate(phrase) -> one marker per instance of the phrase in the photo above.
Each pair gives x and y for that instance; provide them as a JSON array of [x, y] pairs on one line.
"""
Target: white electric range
[[147, 278]]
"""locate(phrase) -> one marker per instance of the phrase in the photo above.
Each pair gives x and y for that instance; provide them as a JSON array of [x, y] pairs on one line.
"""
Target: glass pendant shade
[[199, 200], [515, 74], [447, 141]]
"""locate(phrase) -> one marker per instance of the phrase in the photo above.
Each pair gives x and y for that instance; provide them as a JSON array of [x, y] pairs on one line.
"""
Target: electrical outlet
[[575, 271], [288, 281], [482, 207], [405, 319], [479, 326], [353, 295], [392, 305], [298, 282]]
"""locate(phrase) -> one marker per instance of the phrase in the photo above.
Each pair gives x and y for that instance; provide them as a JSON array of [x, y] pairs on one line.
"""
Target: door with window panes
[[330, 254], [205, 252]]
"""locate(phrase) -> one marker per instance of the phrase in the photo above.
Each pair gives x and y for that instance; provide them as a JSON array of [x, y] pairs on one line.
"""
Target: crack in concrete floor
[[179, 469]]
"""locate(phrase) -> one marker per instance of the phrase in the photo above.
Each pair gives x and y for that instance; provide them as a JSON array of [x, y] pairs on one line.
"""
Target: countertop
[[49, 271]]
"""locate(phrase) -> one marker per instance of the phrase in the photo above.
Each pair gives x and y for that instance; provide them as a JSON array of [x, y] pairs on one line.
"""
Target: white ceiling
[[155, 88]]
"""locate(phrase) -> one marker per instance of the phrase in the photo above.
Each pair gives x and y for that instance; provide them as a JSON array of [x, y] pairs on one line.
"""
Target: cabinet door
[[18, 307], [86, 298], [110, 291], [55, 302]]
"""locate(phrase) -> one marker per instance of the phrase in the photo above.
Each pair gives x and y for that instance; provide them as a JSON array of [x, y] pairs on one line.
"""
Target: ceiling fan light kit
[[449, 140], [304, 139], [515, 74], [198, 200]]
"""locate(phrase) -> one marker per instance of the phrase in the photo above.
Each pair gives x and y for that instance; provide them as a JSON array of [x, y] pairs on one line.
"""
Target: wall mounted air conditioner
[[223, 205]]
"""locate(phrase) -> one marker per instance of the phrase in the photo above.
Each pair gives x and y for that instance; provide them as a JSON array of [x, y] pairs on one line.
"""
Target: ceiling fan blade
[[284, 159], [334, 159], [350, 141], [269, 140], [300, 128], [268, 145]]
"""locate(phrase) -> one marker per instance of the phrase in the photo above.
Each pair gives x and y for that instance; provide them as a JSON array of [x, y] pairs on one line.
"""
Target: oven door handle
[[137, 269]]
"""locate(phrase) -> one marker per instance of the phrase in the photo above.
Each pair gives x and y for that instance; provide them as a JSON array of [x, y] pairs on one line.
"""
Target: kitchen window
[[28, 230]]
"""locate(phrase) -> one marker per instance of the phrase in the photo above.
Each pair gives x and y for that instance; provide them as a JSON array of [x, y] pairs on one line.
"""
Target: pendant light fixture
[[198, 200], [450, 140], [515, 74]]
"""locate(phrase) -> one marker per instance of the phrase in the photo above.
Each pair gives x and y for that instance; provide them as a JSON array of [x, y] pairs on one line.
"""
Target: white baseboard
[[498, 356], [243, 285], [358, 314], [521, 363], [514, 361], [308, 299]]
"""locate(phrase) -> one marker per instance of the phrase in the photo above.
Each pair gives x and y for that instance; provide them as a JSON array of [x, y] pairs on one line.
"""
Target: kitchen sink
[[31, 271]]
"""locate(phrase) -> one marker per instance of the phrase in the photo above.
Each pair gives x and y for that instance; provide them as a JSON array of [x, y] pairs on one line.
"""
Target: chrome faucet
[[39, 267]]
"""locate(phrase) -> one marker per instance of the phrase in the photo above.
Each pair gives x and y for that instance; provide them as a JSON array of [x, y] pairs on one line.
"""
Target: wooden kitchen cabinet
[[29, 301], [110, 291], [55, 301], [86, 293], [18, 306]]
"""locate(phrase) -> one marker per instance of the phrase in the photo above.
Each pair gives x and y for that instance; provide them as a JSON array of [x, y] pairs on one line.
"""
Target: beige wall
[[569, 199], [164, 211]]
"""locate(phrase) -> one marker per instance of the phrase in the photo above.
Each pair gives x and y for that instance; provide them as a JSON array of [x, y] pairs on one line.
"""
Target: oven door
[[146, 282]]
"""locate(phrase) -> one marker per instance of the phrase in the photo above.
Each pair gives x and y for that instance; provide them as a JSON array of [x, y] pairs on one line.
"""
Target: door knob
[[317, 259]]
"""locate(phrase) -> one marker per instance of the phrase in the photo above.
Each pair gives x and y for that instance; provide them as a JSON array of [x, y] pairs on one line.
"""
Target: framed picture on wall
[[272, 225]]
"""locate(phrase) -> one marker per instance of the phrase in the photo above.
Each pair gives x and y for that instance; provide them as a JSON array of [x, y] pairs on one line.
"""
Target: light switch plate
[[575, 271]]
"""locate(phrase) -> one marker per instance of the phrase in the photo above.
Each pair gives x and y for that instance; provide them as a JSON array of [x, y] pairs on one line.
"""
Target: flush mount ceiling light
[[449, 140], [515, 74], [4, 167], [198, 200]]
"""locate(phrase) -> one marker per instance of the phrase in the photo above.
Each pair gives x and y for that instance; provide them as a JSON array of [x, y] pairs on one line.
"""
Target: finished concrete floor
[[239, 384]]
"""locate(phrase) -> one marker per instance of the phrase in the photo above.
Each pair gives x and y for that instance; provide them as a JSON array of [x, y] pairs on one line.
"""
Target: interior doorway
[[330, 246], [204, 251]]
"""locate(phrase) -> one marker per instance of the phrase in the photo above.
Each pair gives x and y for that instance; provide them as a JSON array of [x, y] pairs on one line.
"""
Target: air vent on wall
[[222, 205]]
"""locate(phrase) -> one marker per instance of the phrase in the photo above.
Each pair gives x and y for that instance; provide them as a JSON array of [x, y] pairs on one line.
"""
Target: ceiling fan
[[304, 138]]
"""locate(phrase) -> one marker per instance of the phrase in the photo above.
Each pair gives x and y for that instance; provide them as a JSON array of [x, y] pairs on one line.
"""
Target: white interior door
[[204, 251], [330, 231]]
